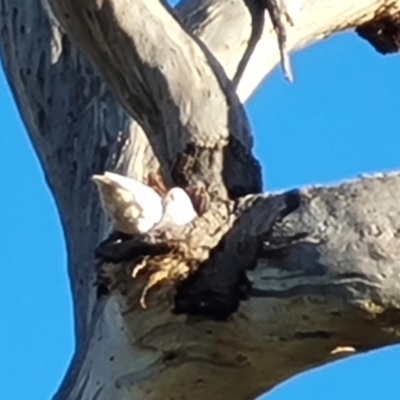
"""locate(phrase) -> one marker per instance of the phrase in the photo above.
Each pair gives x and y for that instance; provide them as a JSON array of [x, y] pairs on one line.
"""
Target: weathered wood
[[326, 276], [317, 277], [172, 85]]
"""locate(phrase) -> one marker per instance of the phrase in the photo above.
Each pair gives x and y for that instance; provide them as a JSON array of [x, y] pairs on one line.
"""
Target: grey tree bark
[[262, 286]]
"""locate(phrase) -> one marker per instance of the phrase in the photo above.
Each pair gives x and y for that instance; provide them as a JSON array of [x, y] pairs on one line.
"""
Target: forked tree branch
[[320, 269], [172, 85], [314, 288]]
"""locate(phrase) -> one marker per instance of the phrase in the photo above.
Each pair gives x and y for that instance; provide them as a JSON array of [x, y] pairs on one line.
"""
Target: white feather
[[133, 206], [137, 208], [177, 209]]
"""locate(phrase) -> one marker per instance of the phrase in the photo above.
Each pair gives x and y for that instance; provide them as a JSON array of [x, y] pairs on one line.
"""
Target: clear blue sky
[[339, 119]]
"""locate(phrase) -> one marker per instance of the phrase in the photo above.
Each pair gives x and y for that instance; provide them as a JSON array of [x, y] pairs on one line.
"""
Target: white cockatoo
[[133, 206], [136, 208], [177, 209]]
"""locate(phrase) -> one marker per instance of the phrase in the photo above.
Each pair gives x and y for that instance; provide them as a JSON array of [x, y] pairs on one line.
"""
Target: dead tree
[[259, 287]]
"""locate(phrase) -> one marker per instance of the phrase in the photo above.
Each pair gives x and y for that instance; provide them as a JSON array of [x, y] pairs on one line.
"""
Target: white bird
[[133, 206], [177, 209], [136, 208]]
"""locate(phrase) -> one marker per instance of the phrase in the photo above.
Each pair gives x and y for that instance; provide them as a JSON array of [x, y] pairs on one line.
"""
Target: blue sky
[[339, 119]]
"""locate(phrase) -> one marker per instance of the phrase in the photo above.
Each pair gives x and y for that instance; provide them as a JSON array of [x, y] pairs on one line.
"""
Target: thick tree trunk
[[278, 283]]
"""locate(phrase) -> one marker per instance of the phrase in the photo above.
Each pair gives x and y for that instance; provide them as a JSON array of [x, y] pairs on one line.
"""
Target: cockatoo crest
[[137, 208]]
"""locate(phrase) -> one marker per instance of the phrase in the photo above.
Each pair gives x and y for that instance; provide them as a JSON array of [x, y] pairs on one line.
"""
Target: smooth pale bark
[[324, 277]]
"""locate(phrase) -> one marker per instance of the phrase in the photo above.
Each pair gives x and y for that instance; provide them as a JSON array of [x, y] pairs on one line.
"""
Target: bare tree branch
[[172, 86], [325, 274], [320, 269], [216, 23]]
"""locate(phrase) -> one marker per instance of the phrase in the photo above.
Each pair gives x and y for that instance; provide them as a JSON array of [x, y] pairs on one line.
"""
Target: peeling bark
[[275, 284]]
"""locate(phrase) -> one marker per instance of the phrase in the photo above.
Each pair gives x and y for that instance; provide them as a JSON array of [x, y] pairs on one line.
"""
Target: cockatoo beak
[[170, 197]]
